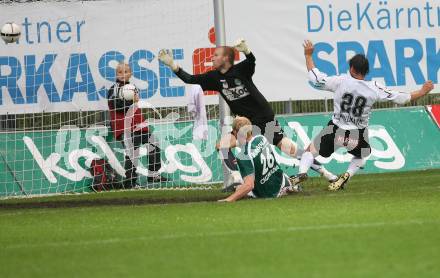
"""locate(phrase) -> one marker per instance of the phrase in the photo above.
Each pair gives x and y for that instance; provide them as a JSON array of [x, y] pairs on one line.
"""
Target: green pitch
[[384, 225]]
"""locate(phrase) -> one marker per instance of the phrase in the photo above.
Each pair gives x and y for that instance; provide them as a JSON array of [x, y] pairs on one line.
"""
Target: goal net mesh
[[55, 122]]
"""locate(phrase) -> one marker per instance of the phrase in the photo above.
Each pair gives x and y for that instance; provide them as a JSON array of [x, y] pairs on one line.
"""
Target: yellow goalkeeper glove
[[240, 45], [166, 57]]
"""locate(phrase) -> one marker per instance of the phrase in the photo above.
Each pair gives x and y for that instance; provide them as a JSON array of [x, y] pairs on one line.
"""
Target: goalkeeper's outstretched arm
[[248, 65], [201, 79]]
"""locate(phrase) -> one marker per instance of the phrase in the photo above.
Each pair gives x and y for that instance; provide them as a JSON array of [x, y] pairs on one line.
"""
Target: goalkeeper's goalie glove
[[166, 57], [240, 45]]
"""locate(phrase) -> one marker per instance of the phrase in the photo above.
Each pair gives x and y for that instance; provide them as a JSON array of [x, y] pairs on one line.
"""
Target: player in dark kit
[[235, 84]]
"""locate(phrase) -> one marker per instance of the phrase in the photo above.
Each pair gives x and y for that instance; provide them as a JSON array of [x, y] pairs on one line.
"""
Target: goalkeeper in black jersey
[[235, 85]]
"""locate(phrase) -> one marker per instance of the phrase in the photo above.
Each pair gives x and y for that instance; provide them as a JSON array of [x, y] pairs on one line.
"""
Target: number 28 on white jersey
[[354, 98]]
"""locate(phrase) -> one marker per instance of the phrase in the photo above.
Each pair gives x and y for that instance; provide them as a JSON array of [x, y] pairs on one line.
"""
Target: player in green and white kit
[[261, 173]]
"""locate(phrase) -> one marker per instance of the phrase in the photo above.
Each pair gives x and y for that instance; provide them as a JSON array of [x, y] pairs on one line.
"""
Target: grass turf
[[385, 225]]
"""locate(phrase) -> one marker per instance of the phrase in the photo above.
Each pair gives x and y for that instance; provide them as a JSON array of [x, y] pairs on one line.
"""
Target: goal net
[[55, 123]]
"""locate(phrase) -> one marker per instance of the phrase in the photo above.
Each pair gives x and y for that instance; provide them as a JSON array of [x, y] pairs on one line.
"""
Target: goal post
[[224, 111]]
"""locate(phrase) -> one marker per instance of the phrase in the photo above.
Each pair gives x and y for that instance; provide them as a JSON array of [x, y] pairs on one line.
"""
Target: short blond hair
[[123, 64], [242, 125]]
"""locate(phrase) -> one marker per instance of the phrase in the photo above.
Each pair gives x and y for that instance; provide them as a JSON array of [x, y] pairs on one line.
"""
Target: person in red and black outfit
[[120, 111]]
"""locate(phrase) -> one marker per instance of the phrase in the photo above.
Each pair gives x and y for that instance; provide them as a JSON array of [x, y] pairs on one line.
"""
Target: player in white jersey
[[353, 99]]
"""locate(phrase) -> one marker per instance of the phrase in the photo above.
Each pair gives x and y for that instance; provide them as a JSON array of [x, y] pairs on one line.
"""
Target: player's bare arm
[[242, 190], [427, 87], [308, 54], [228, 141]]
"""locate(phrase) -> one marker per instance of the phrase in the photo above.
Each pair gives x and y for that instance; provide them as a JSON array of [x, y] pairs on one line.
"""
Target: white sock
[[305, 163], [317, 167], [324, 172], [355, 164]]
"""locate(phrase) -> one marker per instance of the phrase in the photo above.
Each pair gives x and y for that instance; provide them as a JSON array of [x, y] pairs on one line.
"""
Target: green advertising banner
[[47, 162], [401, 139]]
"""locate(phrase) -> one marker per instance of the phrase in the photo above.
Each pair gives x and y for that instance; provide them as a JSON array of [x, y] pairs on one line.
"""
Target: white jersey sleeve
[[321, 81], [385, 94]]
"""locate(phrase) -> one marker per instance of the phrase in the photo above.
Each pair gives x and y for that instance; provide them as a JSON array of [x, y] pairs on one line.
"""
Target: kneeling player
[[261, 173]]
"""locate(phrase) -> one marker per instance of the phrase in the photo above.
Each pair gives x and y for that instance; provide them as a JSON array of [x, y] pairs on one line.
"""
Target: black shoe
[[158, 178]]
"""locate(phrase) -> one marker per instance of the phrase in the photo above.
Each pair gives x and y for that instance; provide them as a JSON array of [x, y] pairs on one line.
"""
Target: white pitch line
[[219, 234]]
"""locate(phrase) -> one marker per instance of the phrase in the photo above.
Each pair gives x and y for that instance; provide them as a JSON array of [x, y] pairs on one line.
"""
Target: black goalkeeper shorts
[[270, 129], [332, 138]]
